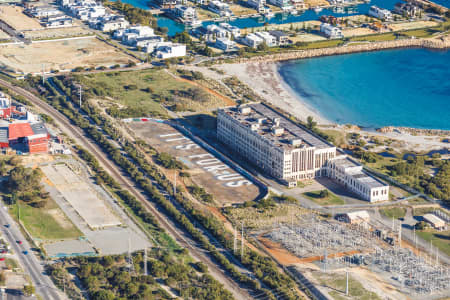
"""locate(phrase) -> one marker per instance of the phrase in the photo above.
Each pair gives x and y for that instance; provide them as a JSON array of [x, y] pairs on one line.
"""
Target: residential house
[[281, 37], [252, 40], [112, 23], [331, 31], [269, 39], [380, 13], [283, 4], [169, 50], [407, 10], [233, 30], [220, 8], [58, 22], [167, 4], [185, 14], [259, 5], [225, 44]]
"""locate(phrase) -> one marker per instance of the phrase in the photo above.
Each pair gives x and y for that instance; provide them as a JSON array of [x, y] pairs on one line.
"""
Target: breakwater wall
[[433, 43]]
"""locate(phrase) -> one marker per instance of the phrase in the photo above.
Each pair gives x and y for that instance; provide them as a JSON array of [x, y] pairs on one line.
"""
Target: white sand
[[265, 80]]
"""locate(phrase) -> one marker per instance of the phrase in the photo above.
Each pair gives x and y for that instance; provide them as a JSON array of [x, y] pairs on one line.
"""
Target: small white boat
[[294, 12], [318, 9], [269, 15], [194, 23]]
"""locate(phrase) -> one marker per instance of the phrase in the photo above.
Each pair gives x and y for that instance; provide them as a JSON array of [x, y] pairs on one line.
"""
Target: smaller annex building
[[26, 137], [435, 221], [356, 217]]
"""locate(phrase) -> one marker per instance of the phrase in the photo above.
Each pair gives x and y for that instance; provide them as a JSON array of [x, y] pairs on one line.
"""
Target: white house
[[234, 30], [225, 44], [149, 45], [407, 9], [252, 40], [217, 31], [62, 21], [169, 50], [283, 4], [331, 31], [134, 33], [259, 5], [380, 13], [113, 23], [185, 13], [269, 39], [220, 8]]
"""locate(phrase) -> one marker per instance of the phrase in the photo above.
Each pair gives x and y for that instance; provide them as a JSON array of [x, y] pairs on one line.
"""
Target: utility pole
[[242, 240], [80, 95], [400, 235], [346, 285], [145, 261], [43, 74], [175, 185], [235, 240]]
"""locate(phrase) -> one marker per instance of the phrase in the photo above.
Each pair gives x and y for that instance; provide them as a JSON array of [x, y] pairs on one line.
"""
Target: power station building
[[287, 151]]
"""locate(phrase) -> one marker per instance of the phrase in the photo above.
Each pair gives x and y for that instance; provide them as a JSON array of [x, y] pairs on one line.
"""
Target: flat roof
[[18, 130], [4, 135], [291, 132], [39, 128], [434, 219], [358, 174]]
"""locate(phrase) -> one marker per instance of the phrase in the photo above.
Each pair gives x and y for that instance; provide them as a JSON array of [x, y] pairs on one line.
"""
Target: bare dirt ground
[[314, 3], [51, 33], [14, 16], [226, 185], [348, 32], [60, 55], [4, 35]]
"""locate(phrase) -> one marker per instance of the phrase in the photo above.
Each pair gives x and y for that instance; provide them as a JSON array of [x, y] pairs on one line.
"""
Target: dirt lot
[[308, 37], [314, 3], [226, 185], [60, 55], [57, 33], [349, 32], [14, 16]]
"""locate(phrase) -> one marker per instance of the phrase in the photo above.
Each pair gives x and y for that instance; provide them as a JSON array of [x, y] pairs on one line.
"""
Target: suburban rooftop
[[274, 127]]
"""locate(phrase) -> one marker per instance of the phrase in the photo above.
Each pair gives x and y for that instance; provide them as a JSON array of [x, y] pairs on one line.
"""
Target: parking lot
[[225, 184]]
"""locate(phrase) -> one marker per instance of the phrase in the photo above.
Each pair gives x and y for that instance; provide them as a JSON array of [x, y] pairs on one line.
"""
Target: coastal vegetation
[[113, 277]]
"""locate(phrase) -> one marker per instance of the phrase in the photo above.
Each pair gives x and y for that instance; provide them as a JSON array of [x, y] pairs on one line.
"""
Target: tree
[[262, 47], [310, 123], [103, 295], [28, 290], [324, 193]]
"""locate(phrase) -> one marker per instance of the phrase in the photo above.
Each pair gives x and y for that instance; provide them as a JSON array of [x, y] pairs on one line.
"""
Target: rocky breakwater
[[442, 42], [415, 131]]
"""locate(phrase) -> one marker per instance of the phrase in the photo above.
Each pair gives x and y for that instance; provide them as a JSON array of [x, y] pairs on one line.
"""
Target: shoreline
[[267, 83], [436, 43]]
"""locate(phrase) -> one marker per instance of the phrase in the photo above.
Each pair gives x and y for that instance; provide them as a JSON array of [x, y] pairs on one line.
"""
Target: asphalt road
[[31, 265], [179, 234]]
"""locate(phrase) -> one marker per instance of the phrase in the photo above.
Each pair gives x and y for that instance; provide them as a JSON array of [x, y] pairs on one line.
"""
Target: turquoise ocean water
[[405, 87]]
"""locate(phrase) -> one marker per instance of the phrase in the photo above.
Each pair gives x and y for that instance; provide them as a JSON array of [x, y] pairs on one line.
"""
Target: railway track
[[180, 236]]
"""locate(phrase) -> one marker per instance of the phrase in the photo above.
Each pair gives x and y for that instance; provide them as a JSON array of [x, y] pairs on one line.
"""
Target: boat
[[269, 14], [294, 12], [194, 23], [318, 9]]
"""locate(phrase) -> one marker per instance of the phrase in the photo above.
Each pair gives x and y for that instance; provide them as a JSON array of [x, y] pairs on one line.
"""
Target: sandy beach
[[268, 84]]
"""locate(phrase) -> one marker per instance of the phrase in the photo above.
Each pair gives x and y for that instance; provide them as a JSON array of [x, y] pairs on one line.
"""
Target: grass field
[[440, 239], [146, 91], [47, 223], [331, 199], [393, 212], [375, 38], [337, 282]]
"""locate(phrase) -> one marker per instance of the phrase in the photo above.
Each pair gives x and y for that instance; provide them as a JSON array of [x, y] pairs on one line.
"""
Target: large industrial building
[[289, 152]]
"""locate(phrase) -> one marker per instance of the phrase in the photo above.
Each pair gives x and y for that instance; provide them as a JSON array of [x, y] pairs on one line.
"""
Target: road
[[12, 32], [180, 236], [31, 265]]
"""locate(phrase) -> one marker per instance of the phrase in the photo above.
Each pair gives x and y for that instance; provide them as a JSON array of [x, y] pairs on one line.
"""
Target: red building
[[28, 137]]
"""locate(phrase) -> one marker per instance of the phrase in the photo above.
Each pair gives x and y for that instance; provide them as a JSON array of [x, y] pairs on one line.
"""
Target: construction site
[[317, 246]]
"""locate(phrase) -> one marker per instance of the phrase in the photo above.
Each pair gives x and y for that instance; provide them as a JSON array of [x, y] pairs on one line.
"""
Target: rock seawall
[[432, 43]]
